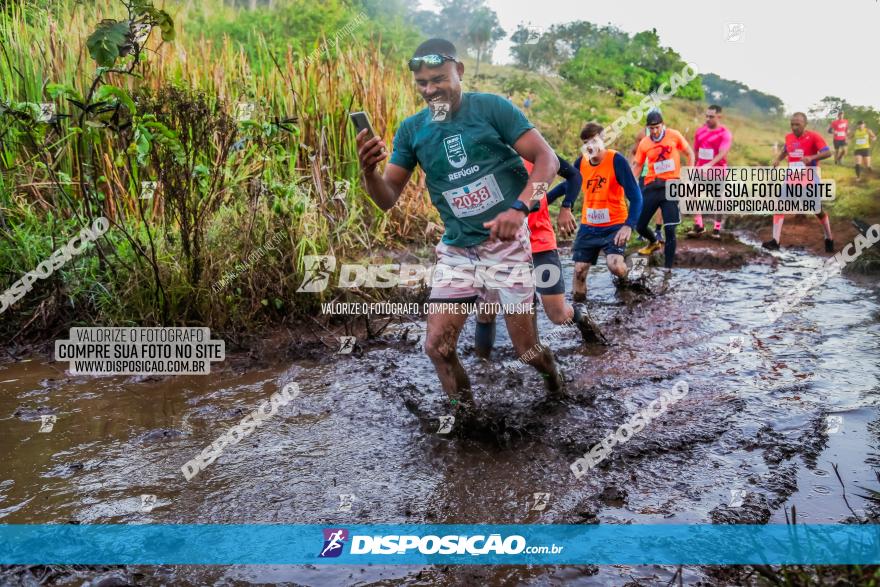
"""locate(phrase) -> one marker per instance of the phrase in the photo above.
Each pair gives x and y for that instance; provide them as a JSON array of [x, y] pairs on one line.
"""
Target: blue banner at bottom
[[213, 544]]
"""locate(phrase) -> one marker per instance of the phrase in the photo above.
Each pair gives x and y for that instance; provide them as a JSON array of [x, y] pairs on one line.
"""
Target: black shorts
[[548, 273], [863, 152], [654, 197], [839, 144]]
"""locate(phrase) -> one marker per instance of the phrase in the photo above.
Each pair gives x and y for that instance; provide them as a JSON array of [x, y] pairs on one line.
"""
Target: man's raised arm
[[384, 189]]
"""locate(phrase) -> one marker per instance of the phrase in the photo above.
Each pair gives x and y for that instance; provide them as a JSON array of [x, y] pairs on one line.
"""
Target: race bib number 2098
[[474, 198]]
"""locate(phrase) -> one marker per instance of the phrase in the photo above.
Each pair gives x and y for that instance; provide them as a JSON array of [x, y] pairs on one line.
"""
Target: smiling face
[[440, 84]]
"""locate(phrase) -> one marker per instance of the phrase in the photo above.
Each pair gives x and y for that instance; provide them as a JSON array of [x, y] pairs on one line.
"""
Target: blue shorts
[[591, 239]]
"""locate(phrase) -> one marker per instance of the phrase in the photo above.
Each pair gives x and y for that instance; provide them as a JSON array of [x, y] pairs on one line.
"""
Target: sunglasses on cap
[[432, 61]]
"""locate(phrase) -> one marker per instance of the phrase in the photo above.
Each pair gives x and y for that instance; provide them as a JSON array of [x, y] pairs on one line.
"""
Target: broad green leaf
[[166, 25], [55, 91], [107, 91], [161, 19], [104, 44]]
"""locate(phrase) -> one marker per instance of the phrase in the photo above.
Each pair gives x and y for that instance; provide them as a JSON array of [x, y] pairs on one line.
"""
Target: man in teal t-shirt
[[469, 153], [469, 146]]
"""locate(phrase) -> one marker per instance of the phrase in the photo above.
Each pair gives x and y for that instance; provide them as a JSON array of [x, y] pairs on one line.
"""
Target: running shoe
[[651, 248], [716, 234], [696, 232], [829, 245], [771, 245]]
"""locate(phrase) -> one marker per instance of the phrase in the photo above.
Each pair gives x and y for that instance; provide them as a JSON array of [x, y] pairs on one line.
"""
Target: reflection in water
[[755, 422]]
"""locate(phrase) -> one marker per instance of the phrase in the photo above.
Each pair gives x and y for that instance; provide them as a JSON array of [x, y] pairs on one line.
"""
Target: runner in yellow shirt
[[862, 137]]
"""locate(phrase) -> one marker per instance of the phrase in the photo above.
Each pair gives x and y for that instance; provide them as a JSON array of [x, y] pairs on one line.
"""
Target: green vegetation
[[469, 24], [731, 94], [561, 109], [602, 57], [828, 107], [166, 112]]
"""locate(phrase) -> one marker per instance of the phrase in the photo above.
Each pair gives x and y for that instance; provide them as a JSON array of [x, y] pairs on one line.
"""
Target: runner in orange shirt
[[658, 220], [549, 282], [606, 219], [661, 151]]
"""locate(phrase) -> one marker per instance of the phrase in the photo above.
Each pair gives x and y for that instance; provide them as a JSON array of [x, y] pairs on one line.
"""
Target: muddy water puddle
[[756, 433]]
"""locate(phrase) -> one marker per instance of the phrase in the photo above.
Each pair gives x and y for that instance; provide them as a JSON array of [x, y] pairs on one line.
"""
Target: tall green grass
[[276, 180]]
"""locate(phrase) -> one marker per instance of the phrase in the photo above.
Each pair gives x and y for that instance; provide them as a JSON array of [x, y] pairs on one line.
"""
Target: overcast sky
[[800, 51]]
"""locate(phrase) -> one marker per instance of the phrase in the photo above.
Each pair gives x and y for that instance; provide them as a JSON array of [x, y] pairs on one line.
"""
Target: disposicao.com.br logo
[[476, 545], [320, 268], [334, 540]]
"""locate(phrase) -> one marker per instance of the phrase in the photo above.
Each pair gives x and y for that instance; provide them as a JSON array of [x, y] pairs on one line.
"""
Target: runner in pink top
[[712, 142]]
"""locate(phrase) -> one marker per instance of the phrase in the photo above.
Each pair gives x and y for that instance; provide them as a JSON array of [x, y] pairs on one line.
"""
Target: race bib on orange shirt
[[664, 166], [598, 215]]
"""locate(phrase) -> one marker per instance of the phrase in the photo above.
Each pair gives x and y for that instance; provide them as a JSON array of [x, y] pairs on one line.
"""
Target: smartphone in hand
[[361, 121]]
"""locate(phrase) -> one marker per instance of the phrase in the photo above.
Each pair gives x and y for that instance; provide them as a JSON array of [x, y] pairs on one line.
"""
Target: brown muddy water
[[757, 434]]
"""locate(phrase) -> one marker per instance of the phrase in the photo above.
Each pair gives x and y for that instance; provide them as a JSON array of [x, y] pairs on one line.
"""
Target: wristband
[[521, 207]]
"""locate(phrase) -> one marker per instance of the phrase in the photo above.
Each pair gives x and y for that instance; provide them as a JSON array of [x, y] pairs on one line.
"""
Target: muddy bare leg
[[524, 336], [440, 346], [556, 308], [617, 266], [579, 283]]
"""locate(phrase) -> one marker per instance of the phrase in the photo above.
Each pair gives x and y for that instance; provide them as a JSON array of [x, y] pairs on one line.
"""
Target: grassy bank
[[224, 186], [560, 111]]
